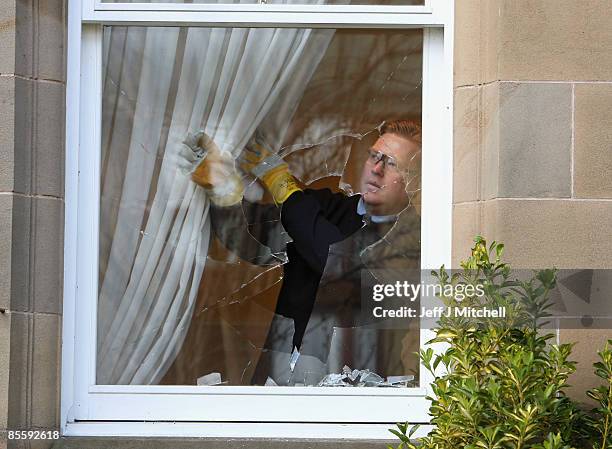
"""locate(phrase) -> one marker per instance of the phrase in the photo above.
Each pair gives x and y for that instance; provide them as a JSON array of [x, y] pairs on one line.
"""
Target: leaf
[[499, 250], [414, 429], [401, 436]]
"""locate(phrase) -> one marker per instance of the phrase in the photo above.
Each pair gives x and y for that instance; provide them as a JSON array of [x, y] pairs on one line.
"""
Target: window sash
[[432, 14], [81, 398], [98, 5]]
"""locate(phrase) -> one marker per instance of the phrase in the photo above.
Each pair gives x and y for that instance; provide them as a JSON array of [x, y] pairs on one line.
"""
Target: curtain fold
[[159, 85]]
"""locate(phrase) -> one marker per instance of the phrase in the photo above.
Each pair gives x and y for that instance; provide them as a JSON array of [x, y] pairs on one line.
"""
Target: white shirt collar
[[361, 210]]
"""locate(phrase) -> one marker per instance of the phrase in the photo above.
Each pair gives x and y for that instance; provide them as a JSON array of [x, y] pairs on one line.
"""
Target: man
[[334, 238]]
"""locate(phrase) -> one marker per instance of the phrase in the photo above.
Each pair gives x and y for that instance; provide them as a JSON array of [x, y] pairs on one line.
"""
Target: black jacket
[[315, 219], [329, 245], [303, 230]]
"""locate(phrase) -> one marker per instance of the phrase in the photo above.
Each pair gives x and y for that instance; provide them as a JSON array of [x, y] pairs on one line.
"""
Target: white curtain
[[160, 84]]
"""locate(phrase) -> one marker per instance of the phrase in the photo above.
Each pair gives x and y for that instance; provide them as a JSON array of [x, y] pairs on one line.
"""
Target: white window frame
[[234, 411]]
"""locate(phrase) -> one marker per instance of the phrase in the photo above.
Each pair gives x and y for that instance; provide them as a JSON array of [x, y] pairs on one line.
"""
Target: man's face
[[384, 185]]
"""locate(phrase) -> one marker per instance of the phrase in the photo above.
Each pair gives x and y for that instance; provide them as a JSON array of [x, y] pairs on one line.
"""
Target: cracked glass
[[252, 181]]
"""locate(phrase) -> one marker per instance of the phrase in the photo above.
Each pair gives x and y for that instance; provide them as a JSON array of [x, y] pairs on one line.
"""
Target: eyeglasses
[[374, 157]]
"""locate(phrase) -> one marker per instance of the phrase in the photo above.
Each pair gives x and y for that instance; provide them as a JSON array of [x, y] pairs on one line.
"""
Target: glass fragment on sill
[[363, 378], [270, 383], [210, 379]]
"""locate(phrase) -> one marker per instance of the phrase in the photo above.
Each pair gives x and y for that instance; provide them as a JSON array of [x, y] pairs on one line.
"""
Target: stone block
[[37, 255], [51, 36], [20, 253], [48, 255], [593, 141], [489, 141], [526, 140], [5, 351], [20, 347], [34, 371], [535, 140], [6, 242], [466, 157], [46, 371], [555, 40], [489, 40], [48, 151], [7, 137], [489, 221], [39, 138], [551, 233], [25, 29], [39, 39], [466, 226], [23, 136], [7, 36], [467, 42]]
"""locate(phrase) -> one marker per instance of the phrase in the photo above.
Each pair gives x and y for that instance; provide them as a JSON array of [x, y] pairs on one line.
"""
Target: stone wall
[[533, 144], [32, 85]]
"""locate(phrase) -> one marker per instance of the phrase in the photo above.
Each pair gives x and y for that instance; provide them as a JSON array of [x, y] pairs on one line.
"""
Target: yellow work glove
[[280, 183], [270, 169], [215, 170]]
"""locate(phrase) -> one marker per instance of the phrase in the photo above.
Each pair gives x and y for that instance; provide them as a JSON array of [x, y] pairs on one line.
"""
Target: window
[[180, 305]]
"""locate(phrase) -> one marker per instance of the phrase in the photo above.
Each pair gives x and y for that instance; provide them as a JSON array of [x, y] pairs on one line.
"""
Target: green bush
[[600, 420], [499, 384]]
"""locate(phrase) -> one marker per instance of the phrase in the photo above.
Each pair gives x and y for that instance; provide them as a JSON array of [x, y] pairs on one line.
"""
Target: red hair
[[408, 129]]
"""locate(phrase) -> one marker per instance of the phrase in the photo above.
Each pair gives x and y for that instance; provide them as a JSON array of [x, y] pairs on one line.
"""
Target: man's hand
[[253, 154], [215, 172], [270, 168]]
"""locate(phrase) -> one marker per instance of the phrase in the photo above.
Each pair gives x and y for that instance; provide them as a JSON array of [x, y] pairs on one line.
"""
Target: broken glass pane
[[206, 275]]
